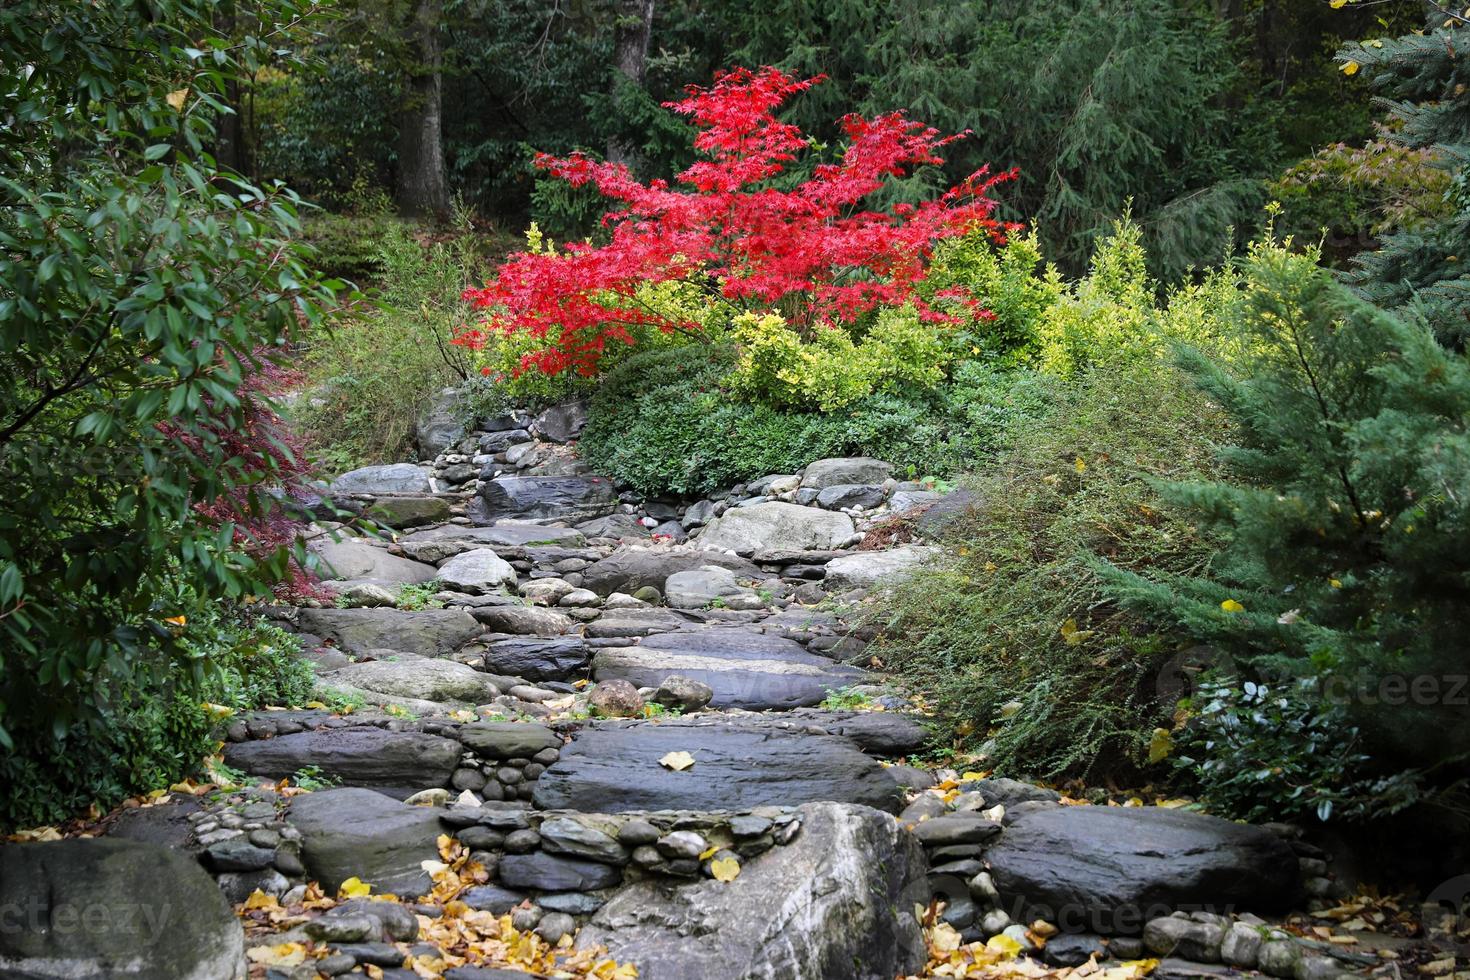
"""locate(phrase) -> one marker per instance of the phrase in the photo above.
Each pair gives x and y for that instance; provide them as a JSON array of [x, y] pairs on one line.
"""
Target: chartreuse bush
[[775, 365]]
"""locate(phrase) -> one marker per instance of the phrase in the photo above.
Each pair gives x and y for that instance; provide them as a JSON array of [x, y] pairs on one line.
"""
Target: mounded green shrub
[[154, 728], [663, 422]]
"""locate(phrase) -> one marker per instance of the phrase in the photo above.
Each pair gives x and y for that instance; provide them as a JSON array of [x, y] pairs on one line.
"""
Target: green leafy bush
[[663, 423], [1279, 752], [1015, 643], [152, 728], [146, 298]]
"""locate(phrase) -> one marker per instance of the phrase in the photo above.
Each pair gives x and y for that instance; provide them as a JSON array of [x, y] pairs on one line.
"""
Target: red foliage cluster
[[267, 454], [812, 248]]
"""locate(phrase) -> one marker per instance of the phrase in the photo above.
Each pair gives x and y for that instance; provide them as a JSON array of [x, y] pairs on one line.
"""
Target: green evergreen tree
[[1346, 520], [1424, 82]]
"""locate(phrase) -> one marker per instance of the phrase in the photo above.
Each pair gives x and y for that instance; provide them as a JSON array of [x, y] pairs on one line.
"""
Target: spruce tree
[[1346, 519], [1424, 82]]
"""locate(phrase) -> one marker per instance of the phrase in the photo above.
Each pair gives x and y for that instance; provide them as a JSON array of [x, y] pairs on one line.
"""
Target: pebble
[[555, 925], [682, 844]]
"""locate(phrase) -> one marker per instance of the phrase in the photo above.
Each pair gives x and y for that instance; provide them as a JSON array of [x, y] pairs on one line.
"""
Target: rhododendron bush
[[733, 226]]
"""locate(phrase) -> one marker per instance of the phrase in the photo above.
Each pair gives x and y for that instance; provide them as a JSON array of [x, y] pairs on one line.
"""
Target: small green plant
[[848, 699], [413, 596], [1280, 752], [312, 778]]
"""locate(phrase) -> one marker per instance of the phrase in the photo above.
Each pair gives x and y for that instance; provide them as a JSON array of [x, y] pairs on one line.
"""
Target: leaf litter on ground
[[463, 936]]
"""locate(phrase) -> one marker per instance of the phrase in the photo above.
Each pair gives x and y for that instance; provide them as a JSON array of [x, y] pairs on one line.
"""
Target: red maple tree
[[813, 249]]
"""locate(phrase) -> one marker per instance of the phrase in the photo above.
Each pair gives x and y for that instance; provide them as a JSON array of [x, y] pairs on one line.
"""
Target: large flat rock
[[537, 658], [94, 909], [416, 678], [1110, 869], [568, 498], [360, 561], [777, 526], [428, 632], [631, 568], [612, 767], [437, 543], [836, 902], [396, 763], [845, 471], [745, 668], [870, 569], [392, 478], [347, 833]]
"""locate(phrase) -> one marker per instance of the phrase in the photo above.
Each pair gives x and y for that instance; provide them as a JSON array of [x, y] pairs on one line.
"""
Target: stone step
[[614, 767], [745, 668]]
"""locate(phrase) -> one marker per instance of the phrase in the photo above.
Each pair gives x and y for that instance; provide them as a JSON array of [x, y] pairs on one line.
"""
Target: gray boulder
[[568, 498], [409, 510], [524, 620], [395, 763], [904, 501], [744, 668], [358, 561], [619, 527], [1112, 869], [393, 478], [348, 833], [631, 568], [849, 470], [869, 569], [777, 526], [845, 495], [948, 508], [476, 572], [555, 873], [699, 587], [418, 678], [613, 767], [428, 632], [508, 739], [836, 902], [537, 659], [438, 543], [560, 423], [101, 909], [439, 427]]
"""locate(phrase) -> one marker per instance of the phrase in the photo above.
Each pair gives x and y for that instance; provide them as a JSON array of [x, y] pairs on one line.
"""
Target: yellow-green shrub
[[1010, 280], [1114, 313], [777, 366]]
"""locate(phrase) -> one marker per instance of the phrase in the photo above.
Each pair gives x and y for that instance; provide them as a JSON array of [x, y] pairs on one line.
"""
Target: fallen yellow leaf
[[677, 761], [260, 900], [285, 954], [355, 887], [725, 869]]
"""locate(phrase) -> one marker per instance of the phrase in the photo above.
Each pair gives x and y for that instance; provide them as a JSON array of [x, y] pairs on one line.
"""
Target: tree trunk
[[231, 150], [423, 184], [631, 37]]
